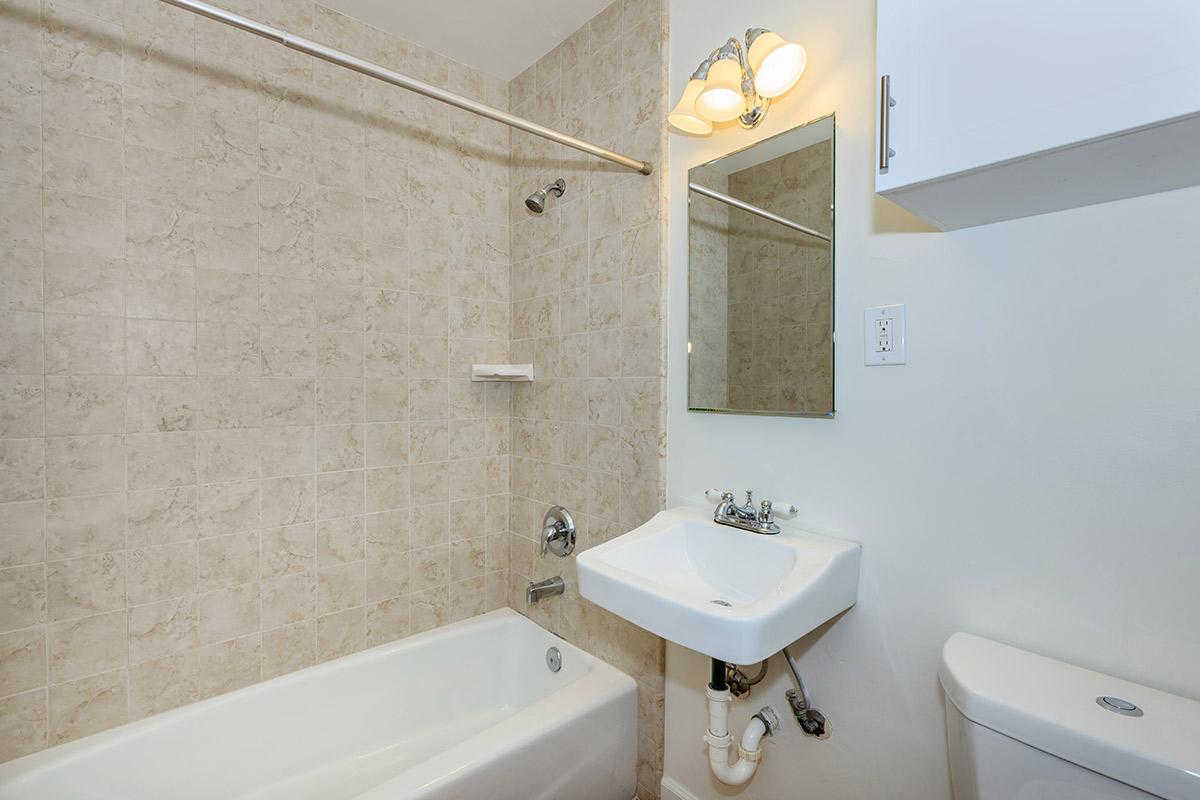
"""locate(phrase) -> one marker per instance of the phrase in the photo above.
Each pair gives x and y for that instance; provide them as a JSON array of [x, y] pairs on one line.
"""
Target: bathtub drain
[[554, 659]]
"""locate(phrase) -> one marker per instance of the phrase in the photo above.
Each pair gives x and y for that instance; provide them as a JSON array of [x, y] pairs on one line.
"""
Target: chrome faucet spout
[[535, 591]]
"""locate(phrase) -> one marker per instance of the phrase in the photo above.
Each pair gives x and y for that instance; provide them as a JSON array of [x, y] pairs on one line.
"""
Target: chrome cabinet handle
[[885, 118]]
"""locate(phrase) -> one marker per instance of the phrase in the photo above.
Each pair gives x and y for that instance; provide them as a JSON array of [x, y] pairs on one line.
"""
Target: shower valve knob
[[558, 532]]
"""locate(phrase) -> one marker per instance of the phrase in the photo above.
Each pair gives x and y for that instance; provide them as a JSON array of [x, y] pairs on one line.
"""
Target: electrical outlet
[[883, 335]]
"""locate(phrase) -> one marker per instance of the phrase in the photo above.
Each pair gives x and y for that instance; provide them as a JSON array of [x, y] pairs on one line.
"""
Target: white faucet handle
[[783, 509], [778, 507]]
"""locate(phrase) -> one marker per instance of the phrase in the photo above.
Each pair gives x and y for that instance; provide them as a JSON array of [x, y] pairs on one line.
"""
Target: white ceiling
[[500, 37]]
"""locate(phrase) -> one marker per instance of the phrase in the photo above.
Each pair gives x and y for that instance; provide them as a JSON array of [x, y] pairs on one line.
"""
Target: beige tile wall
[[239, 291], [587, 283]]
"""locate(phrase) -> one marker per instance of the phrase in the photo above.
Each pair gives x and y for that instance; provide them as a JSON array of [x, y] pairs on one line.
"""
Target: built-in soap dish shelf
[[510, 373]]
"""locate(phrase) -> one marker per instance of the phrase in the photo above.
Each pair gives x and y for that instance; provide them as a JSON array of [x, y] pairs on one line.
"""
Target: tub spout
[[547, 588]]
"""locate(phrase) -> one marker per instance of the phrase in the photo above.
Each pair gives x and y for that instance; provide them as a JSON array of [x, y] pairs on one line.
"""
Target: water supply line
[[739, 682], [810, 720], [719, 740]]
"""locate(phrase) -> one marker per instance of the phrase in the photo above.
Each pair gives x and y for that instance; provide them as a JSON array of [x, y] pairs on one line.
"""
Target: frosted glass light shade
[[722, 99], [777, 64], [684, 115]]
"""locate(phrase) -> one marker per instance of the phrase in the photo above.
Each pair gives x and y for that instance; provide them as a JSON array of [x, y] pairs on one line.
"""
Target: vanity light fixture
[[739, 82]]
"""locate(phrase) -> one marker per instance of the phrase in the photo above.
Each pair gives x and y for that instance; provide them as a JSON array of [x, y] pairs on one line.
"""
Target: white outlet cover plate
[[877, 352]]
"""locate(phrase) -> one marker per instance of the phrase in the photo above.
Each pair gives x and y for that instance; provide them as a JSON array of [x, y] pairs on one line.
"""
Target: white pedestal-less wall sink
[[728, 593]]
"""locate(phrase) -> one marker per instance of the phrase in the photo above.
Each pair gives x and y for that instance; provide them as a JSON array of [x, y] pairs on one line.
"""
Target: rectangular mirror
[[760, 277]]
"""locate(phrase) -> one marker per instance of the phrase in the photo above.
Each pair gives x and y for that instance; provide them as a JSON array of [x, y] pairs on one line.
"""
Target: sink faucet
[[747, 517]]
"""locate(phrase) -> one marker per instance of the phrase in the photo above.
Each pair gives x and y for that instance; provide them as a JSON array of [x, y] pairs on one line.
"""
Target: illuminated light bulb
[[684, 115], [722, 99], [777, 63]]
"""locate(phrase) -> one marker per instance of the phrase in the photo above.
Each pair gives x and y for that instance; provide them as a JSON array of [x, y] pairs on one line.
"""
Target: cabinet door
[[985, 81]]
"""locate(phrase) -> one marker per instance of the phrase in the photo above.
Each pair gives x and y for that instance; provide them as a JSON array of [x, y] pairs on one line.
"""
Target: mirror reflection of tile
[[760, 294]]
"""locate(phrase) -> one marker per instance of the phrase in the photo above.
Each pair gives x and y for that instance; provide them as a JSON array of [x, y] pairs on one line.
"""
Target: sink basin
[[724, 592]]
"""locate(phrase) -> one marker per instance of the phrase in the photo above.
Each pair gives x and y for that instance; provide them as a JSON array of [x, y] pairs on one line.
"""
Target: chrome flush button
[[1119, 706]]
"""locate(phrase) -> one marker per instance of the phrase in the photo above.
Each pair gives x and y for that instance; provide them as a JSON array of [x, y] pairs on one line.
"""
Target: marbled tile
[[82, 465], [79, 587], [229, 613], [83, 223], [21, 219], [22, 469], [341, 587], [226, 296], [88, 705], [288, 451], [289, 599], [22, 660], [21, 279], [387, 620], [161, 629], [21, 341], [160, 292], [76, 162], [86, 646], [158, 120], [162, 684], [288, 550], [80, 526], [429, 609], [340, 494], [229, 560], [82, 404], [81, 103], [76, 284], [84, 345], [229, 665], [23, 724], [290, 648], [161, 571], [341, 633], [24, 536], [160, 516]]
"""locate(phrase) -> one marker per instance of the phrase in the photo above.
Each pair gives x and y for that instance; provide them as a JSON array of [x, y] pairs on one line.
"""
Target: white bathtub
[[467, 711]]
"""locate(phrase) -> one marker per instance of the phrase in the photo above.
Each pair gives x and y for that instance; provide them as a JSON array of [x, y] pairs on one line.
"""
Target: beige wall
[[239, 291], [587, 311]]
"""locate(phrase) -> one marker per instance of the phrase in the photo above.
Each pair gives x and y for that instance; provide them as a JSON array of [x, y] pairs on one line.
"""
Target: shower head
[[536, 202]]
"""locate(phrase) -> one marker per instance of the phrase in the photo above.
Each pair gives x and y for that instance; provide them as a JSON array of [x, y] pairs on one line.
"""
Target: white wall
[[1031, 475]]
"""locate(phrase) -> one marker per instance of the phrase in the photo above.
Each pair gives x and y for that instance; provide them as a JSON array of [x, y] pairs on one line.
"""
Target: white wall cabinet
[[1009, 108]]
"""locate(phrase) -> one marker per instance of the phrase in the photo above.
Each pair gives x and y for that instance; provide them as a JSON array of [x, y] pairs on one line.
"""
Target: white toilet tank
[[1025, 727]]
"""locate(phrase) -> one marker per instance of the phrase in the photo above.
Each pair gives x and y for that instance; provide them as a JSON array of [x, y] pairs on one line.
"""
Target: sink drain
[[725, 603]]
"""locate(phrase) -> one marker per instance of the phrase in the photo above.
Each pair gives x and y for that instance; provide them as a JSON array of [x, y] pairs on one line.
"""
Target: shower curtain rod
[[373, 70], [755, 210]]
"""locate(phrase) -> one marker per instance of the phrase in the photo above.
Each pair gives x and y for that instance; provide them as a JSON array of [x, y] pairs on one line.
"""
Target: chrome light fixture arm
[[767, 66], [756, 104]]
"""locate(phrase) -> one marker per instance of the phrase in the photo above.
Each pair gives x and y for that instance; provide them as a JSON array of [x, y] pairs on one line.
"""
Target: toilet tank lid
[[1052, 706]]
